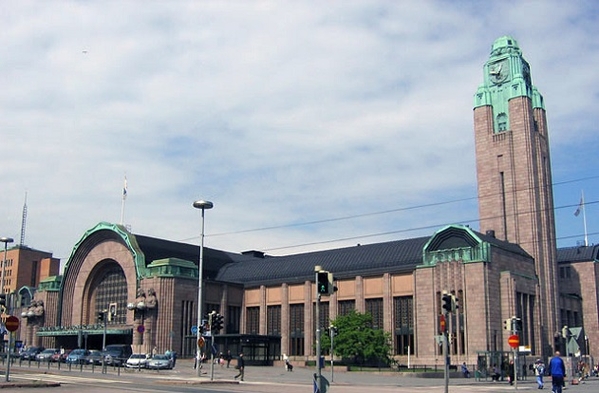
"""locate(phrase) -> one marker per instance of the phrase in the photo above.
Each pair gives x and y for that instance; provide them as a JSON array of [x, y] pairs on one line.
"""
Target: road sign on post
[[12, 323], [513, 341]]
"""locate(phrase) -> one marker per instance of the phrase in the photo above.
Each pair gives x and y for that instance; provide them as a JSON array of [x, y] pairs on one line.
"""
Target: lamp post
[[202, 205], [4, 240]]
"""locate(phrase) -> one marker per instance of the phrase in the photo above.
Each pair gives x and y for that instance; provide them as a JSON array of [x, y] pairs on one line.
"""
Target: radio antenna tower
[[24, 221]]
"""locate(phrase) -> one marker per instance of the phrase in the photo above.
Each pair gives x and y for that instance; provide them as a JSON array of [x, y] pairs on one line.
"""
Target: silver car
[[158, 362], [137, 360]]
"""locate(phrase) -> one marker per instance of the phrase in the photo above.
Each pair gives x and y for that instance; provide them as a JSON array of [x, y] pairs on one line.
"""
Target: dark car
[[117, 354], [95, 357], [77, 356], [31, 352]]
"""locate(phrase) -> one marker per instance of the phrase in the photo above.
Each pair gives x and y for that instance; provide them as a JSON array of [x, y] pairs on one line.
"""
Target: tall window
[[112, 288], [273, 320], [252, 321], [346, 306], [403, 307], [232, 319], [525, 305], [374, 307], [296, 329]]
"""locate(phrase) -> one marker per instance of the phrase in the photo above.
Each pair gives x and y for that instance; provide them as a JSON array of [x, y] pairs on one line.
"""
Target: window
[[232, 319], [346, 306], [296, 329], [273, 320], [374, 307], [252, 322], [112, 289], [404, 325]]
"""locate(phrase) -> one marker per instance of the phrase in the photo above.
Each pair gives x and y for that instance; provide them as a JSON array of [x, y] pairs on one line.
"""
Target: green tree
[[357, 341]]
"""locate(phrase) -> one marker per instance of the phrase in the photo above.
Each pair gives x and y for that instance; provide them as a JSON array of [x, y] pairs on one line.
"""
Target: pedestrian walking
[[539, 372], [240, 366], [511, 372], [557, 368], [228, 358]]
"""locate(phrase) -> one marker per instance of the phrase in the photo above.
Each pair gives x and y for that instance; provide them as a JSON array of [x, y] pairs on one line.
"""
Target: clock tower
[[515, 193]]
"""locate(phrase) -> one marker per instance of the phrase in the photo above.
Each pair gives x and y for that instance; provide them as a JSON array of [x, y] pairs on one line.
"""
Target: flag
[[580, 205], [125, 189]]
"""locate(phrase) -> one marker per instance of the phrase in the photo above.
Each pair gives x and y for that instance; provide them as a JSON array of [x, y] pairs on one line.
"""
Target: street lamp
[[4, 240], [202, 205]]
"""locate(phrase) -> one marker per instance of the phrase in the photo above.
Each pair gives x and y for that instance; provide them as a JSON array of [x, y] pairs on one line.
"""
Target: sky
[[310, 125]]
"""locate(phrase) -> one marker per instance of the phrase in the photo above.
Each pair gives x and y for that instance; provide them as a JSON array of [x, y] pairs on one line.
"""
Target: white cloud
[[280, 112]]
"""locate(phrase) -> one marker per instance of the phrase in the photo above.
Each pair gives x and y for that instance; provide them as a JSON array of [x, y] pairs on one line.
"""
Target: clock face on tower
[[499, 71]]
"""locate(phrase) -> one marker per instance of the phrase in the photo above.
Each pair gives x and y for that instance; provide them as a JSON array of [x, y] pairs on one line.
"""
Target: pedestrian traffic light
[[322, 282], [447, 302], [217, 323]]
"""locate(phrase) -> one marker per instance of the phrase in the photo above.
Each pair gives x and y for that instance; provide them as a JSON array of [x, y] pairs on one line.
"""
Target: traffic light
[[565, 331], [334, 331], [211, 318], [517, 324], [447, 302], [507, 324], [322, 282], [101, 316], [217, 323], [3, 303], [454, 303]]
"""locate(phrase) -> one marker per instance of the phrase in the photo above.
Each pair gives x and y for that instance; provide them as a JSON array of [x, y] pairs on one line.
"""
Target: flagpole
[[123, 201], [584, 221]]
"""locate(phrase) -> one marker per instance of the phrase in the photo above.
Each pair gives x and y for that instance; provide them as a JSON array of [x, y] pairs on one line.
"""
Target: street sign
[[443, 323], [513, 341], [201, 342], [141, 329], [12, 323], [194, 330]]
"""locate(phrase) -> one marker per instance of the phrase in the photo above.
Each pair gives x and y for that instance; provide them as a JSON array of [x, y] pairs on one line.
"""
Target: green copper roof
[[506, 76], [50, 284], [505, 44], [112, 231]]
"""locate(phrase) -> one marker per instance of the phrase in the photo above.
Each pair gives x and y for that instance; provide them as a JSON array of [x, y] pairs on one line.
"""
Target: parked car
[[61, 356], [158, 362], [77, 356], [117, 354], [31, 352], [46, 354], [95, 357], [137, 360]]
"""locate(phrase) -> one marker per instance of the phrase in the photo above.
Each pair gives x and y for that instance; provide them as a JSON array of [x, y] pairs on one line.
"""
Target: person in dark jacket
[[557, 369], [240, 366]]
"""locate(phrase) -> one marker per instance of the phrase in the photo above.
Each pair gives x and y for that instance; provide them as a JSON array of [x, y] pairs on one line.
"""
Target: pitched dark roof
[[391, 257], [578, 254], [154, 249]]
